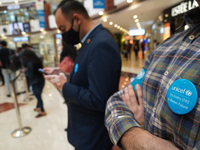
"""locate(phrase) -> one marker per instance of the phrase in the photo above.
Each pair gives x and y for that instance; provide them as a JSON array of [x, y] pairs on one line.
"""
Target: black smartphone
[[42, 71]]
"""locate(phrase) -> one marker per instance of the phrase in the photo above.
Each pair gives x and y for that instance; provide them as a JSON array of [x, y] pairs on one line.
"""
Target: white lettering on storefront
[[183, 7]]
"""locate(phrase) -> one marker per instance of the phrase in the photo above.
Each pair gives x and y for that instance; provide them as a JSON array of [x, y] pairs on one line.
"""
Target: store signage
[[40, 13], [26, 26], [20, 39], [167, 30], [136, 32], [183, 7], [58, 36], [98, 3], [13, 7]]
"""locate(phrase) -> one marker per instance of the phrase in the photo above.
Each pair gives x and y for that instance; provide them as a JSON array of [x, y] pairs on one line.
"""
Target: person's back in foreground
[[168, 114]]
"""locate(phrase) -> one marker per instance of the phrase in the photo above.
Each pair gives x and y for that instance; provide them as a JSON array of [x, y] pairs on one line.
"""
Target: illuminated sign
[[136, 32], [20, 39], [13, 7], [98, 3], [58, 36], [167, 29], [183, 7]]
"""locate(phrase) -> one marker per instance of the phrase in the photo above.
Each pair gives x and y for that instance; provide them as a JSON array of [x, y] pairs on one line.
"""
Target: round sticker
[[76, 68], [182, 96]]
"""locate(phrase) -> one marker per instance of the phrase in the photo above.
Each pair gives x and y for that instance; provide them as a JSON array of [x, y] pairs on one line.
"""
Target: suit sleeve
[[104, 66]]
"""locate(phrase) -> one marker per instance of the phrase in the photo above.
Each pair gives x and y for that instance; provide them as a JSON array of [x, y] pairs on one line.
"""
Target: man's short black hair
[[69, 7], [4, 43]]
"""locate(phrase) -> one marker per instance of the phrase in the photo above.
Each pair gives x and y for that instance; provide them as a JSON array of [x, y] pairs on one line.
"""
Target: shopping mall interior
[[149, 21]]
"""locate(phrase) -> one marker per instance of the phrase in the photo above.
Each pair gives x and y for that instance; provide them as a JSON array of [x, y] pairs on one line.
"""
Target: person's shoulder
[[12, 51]]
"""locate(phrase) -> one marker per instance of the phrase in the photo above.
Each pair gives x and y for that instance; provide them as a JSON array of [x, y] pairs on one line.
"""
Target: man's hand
[[57, 80], [136, 106], [52, 71]]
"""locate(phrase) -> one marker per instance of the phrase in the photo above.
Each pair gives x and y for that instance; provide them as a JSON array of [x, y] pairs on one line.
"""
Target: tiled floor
[[47, 132]]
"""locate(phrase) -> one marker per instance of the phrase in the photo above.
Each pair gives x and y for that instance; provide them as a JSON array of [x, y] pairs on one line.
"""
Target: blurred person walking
[[2, 78], [136, 47], [8, 74], [25, 47], [36, 79], [143, 48], [95, 76]]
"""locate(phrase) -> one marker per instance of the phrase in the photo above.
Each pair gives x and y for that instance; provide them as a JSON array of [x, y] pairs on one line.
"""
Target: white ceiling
[[147, 12]]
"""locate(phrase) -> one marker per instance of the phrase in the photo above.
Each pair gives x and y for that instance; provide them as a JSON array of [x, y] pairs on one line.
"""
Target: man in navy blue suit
[[94, 79]]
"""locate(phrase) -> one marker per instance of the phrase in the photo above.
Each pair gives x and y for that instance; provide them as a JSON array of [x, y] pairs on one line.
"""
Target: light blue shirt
[[85, 37]]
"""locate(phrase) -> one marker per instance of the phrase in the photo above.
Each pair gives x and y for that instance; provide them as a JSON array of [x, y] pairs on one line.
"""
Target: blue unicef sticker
[[76, 68], [139, 78], [182, 96]]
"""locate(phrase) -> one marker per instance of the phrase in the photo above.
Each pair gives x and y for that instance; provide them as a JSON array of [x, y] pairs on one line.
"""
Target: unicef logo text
[[182, 91], [141, 74], [188, 93]]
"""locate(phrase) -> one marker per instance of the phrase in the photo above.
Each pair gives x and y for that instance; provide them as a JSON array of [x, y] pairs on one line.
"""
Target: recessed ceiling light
[[136, 20], [42, 29], [58, 31], [101, 13], [129, 1], [23, 33], [135, 16], [111, 23], [105, 20], [115, 25]]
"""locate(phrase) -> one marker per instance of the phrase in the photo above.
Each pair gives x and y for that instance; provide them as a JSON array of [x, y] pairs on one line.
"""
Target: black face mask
[[71, 37]]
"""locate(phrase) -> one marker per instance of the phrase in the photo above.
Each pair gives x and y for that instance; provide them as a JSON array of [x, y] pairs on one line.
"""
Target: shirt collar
[[85, 37]]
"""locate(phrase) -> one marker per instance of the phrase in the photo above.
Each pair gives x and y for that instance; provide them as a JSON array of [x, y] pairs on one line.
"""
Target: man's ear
[[77, 18]]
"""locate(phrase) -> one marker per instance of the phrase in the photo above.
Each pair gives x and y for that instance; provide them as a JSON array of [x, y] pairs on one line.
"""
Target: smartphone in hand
[[42, 71]]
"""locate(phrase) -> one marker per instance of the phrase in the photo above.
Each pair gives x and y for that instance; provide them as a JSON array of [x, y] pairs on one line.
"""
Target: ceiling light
[[135, 17], [23, 33], [105, 20], [129, 1], [136, 20], [160, 18], [138, 25], [111, 23], [101, 13], [0, 3], [42, 29], [58, 31], [16, 2], [115, 25]]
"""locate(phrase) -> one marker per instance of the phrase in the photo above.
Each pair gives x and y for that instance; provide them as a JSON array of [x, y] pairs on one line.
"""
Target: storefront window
[[20, 15]]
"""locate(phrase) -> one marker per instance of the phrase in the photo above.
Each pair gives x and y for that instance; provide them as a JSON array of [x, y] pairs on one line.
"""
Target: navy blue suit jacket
[[96, 79]]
